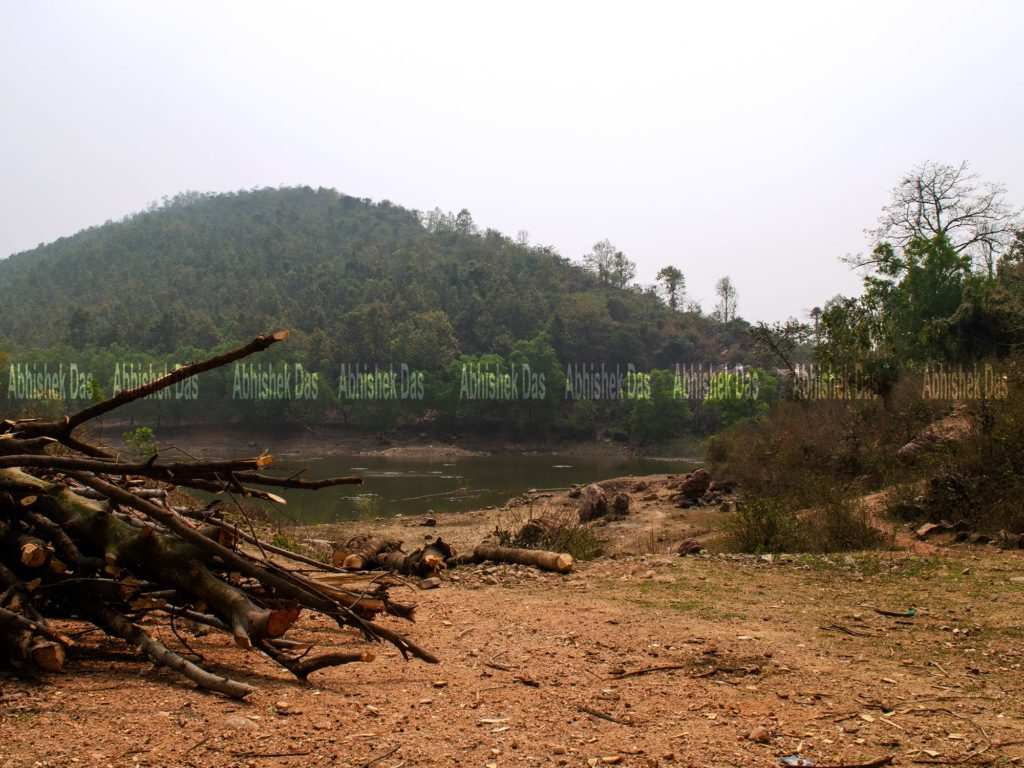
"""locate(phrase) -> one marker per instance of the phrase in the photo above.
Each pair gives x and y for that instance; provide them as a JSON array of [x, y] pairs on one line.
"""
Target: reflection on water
[[411, 487]]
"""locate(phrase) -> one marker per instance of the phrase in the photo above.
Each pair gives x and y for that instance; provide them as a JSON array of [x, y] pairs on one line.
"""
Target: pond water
[[393, 486]]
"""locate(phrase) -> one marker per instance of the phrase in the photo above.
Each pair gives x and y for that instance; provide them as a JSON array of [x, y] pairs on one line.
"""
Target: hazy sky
[[751, 139]]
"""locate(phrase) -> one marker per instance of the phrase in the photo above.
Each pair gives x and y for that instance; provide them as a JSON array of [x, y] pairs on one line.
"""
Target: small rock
[[432, 583], [239, 723], [760, 734]]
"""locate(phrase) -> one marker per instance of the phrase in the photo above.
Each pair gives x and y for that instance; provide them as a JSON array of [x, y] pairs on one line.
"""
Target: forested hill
[[353, 279]]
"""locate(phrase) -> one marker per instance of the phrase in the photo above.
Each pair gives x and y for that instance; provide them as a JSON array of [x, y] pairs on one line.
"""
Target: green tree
[[426, 341], [673, 283], [663, 415], [464, 223], [622, 270], [599, 260]]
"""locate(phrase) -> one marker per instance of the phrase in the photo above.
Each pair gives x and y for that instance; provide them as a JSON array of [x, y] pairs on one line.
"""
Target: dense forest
[[363, 286]]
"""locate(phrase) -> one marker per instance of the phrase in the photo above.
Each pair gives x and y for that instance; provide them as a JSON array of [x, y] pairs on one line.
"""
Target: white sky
[[751, 139]]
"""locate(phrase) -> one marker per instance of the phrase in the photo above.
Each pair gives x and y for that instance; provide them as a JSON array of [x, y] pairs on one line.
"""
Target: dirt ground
[[761, 658], [654, 523]]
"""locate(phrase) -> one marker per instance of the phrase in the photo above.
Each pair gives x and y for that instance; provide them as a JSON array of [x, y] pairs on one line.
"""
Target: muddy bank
[[654, 524], [298, 442]]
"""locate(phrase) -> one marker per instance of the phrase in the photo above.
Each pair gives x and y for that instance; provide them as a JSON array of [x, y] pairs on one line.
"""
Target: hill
[[204, 268], [356, 281]]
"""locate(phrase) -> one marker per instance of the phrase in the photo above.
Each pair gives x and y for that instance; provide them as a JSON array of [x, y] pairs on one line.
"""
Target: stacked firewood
[[89, 538]]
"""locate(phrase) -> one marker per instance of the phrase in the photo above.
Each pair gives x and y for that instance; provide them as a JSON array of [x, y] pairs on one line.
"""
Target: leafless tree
[[727, 298], [936, 199], [611, 265]]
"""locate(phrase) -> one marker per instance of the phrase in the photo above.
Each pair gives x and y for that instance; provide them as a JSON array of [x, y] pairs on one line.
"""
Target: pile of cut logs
[[89, 540], [368, 552]]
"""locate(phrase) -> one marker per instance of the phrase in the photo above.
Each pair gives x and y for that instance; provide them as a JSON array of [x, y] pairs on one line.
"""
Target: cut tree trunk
[[24, 641], [360, 552], [425, 562], [559, 562]]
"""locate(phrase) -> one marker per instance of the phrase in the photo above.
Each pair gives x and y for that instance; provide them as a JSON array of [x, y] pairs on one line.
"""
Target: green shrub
[[839, 523], [764, 525], [141, 441]]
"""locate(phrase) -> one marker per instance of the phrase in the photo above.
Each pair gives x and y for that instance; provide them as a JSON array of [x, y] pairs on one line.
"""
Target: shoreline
[[297, 442]]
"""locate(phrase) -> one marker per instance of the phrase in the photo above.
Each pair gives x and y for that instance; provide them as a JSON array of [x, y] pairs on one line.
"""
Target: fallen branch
[[602, 715], [649, 670]]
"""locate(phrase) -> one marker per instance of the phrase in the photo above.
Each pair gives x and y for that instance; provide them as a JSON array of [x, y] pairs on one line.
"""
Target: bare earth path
[[791, 653]]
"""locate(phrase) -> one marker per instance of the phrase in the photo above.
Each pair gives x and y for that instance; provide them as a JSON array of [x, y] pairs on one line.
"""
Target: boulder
[[694, 485], [688, 547], [620, 504], [1009, 540], [593, 503]]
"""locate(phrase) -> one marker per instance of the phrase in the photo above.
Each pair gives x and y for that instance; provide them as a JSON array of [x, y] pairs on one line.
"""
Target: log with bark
[[559, 562], [87, 538], [360, 552], [423, 562]]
